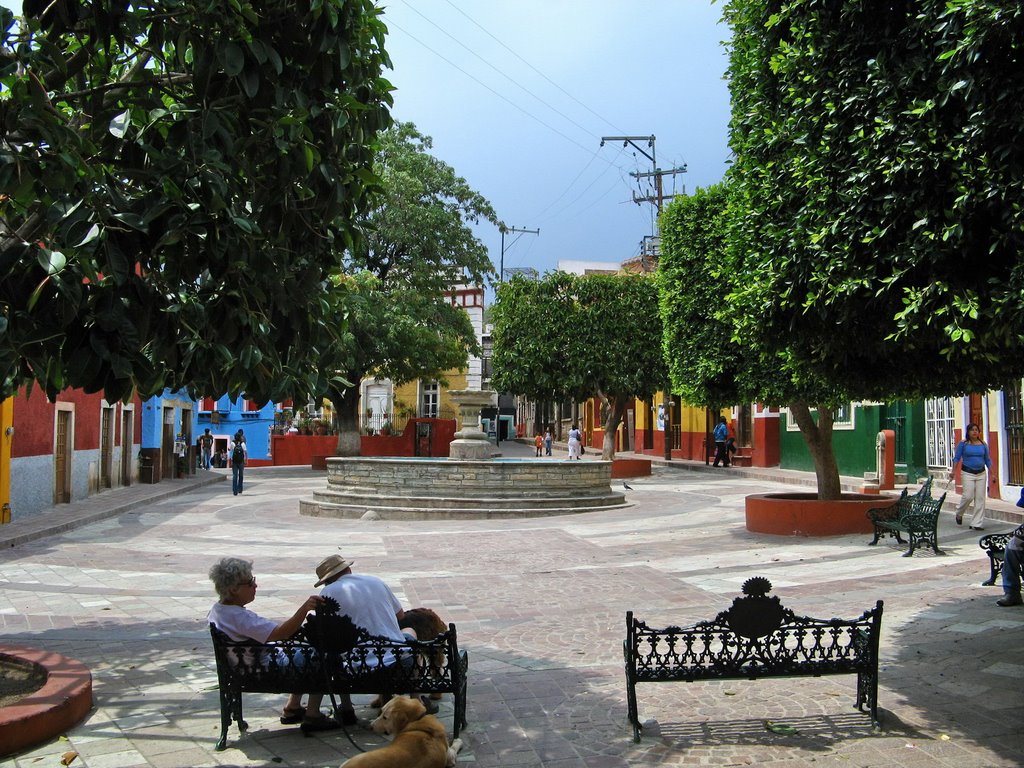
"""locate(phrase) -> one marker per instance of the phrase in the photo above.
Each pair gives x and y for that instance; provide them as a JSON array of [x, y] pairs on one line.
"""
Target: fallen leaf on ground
[[784, 730], [68, 758]]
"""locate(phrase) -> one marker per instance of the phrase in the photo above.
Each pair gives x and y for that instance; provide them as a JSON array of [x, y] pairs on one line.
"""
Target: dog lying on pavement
[[418, 740]]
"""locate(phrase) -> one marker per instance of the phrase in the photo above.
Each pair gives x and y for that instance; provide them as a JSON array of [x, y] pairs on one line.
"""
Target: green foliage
[[710, 361], [177, 181], [579, 337], [879, 163], [417, 245], [703, 360]]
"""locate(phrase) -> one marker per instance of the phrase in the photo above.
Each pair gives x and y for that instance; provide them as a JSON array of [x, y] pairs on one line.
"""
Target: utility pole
[[513, 230], [658, 199]]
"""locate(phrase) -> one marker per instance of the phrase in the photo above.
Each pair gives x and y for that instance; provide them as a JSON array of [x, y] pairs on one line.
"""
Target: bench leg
[[634, 717], [994, 569], [227, 709]]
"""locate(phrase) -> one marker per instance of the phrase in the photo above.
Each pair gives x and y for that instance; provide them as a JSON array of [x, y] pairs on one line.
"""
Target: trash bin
[[146, 470]]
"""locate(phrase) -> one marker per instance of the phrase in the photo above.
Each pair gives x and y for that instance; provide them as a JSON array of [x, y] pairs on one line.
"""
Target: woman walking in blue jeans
[[972, 454]]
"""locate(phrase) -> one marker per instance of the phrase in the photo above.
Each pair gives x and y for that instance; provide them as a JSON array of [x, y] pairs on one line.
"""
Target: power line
[[492, 66], [500, 96], [499, 42]]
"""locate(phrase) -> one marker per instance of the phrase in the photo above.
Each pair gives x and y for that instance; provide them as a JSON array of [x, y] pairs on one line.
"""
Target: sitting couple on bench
[[365, 599]]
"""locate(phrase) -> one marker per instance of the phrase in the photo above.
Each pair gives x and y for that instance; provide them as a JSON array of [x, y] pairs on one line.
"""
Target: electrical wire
[[500, 96]]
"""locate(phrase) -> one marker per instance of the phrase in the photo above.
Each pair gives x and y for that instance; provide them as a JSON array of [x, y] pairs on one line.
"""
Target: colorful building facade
[[62, 451]]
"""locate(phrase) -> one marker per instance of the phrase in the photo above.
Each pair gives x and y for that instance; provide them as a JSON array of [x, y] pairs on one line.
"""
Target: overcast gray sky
[[518, 93]]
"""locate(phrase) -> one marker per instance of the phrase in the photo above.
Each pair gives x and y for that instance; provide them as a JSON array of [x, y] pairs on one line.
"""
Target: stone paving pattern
[[540, 607]]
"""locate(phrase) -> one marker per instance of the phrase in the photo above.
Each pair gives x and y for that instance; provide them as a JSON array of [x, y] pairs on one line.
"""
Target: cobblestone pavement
[[540, 606]]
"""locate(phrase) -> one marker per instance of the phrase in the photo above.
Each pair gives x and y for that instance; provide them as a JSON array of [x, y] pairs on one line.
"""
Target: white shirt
[[369, 602], [240, 623]]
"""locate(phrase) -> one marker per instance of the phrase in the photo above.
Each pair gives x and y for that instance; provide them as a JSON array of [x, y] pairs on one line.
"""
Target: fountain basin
[[421, 488]]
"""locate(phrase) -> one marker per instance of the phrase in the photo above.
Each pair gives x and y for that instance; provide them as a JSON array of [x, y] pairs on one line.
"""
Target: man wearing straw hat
[[369, 603]]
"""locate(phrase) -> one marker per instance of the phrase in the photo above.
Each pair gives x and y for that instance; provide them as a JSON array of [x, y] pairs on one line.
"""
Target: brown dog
[[427, 625], [418, 739], [424, 622]]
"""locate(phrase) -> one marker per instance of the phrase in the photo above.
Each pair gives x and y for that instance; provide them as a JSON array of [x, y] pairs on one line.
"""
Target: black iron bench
[[757, 637], [994, 545], [917, 516], [331, 656]]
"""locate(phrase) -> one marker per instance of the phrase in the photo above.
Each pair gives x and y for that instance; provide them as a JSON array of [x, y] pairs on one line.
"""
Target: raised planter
[[631, 468], [64, 700], [803, 514]]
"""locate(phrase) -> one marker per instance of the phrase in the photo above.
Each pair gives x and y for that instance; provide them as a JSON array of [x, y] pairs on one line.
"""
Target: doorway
[[167, 444], [62, 458], [127, 444]]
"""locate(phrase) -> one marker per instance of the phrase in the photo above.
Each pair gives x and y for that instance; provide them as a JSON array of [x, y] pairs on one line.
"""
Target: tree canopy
[[580, 336], [417, 245], [879, 162], [178, 181], [711, 363]]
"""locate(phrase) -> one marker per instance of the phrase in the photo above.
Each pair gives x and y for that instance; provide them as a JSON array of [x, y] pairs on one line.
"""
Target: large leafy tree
[[709, 362], [178, 180], [580, 336], [418, 245], [879, 162]]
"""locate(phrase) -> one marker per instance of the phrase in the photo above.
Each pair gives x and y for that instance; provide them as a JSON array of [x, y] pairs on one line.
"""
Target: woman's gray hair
[[228, 573]]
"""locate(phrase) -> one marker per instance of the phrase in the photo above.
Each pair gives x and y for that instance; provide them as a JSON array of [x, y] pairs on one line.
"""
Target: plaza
[[540, 607]]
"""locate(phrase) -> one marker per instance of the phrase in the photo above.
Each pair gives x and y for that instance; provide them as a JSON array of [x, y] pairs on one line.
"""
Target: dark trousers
[[236, 478], [721, 454]]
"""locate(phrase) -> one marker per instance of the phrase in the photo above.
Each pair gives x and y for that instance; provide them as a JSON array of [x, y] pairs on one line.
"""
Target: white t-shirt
[[240, 623], [369, 602]]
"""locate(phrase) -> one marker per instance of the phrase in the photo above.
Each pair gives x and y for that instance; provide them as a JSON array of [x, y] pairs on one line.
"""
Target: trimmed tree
[[580, 337], [178, 181], [709, 363], [418, 245], [879, 162]]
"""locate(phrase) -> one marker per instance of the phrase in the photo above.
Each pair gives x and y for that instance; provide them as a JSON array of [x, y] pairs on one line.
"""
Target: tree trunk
[[615, 407], [346, 406], [818, 437]]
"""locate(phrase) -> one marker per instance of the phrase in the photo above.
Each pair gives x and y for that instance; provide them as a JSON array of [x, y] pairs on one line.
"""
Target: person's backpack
[[237, 454]]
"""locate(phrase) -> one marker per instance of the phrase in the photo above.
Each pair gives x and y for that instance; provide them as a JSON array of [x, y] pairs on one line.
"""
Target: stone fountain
[[468, 484]]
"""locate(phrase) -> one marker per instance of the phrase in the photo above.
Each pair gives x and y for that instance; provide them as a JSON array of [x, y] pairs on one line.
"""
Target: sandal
[[319, 722], [292, 715]]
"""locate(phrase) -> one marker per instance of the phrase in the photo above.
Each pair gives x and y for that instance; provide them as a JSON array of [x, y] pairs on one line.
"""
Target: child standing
[[538, 442]]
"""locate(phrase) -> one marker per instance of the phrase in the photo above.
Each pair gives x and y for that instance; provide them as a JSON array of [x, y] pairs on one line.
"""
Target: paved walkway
[[540, 607]]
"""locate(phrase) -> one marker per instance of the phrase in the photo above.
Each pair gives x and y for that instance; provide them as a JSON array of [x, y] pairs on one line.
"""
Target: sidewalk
[[540, 605], [99, 506], [996, 509]]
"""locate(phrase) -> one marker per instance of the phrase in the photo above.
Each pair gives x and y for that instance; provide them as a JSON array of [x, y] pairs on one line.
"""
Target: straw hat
[[330, 566]]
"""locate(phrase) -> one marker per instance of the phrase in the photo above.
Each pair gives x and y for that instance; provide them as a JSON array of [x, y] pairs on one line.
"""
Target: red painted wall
[[34, 419], [297, 450], [766, 442]]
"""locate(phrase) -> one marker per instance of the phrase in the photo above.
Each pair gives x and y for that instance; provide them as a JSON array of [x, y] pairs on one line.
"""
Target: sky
[[517, 95]]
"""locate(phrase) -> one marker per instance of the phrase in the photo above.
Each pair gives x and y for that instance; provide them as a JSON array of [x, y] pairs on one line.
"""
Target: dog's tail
[[453, 752]]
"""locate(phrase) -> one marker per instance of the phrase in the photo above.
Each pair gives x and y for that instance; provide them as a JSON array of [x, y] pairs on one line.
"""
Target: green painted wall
[[855, 448]]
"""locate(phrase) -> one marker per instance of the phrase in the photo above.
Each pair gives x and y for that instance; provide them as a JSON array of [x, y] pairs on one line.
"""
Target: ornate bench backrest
[[353, 652], [756, 637], [255, 666]]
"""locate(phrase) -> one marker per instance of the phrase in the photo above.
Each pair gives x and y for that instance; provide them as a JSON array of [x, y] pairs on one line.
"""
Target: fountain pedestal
[[470, 443]]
